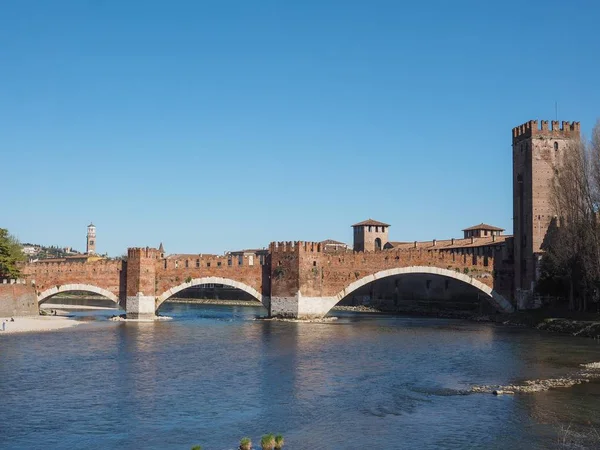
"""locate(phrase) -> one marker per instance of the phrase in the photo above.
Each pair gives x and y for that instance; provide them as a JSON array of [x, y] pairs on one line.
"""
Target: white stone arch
[[493, 297], [212, 280], [43, 296]]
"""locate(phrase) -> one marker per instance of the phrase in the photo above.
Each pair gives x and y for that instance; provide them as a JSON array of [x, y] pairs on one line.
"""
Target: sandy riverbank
[[35, 324]]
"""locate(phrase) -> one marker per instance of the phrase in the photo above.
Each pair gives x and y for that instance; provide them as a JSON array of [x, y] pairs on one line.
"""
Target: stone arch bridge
[[296, 279]]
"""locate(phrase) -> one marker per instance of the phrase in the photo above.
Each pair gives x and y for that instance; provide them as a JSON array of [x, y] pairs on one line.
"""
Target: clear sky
[[219, 125]]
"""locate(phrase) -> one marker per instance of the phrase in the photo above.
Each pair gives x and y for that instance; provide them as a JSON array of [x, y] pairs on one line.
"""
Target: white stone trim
[[496, 299], [43, 296], [140, 306], [214, 280]]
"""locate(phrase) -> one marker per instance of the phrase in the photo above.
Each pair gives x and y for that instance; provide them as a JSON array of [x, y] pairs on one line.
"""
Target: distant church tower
[[91, 240], [370, 235], [537, 150]]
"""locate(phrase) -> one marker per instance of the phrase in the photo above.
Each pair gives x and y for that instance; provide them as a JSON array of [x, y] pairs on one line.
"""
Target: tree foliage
[[571, 264], [10, 255]]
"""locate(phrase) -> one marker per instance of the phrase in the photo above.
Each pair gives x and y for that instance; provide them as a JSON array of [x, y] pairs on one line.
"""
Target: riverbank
[[35, 324], [575, 324]]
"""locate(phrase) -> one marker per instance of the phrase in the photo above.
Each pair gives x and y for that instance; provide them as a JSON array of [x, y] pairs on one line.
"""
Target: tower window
[[556, 146], [197, 263], [370, 228]]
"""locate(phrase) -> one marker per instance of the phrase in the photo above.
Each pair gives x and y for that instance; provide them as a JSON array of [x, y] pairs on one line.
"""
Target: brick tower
[[370, 235], [537, 150], [90, 248]]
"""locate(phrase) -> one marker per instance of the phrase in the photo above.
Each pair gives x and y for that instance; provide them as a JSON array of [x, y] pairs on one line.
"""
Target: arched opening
[[377, 244], [77, 298], [213, 291], [429, 280]]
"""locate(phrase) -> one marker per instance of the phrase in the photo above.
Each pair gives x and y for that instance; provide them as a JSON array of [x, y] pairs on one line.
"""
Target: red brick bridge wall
[[305, 267], [105, 277], [246, 273]]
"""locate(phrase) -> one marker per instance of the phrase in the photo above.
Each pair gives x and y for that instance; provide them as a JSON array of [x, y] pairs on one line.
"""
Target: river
[[213, 375]]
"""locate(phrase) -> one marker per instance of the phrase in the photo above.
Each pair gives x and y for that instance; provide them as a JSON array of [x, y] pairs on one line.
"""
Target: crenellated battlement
[[142, 252], [57, 265], [544, 128], [295, 246]]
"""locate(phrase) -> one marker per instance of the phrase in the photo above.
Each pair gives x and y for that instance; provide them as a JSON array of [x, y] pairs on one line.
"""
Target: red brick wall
[[17, 300], [321, 274], [141, 271], [105, 274], [172, 272], [284, 269]]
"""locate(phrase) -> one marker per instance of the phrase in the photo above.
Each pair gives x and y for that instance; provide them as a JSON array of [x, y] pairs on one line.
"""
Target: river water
[[213, 375]]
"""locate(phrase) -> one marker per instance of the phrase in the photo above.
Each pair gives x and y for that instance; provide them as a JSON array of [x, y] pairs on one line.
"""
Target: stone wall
[[18, 300]]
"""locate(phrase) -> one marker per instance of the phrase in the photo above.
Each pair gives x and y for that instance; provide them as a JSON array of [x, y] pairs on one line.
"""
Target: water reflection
[[213, 375]]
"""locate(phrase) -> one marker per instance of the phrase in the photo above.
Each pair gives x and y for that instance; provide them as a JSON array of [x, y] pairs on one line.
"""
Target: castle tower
[[370, 235], [90, 248], [537, 151]]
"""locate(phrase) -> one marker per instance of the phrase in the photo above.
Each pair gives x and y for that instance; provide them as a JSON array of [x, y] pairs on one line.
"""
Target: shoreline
[[33, 324]]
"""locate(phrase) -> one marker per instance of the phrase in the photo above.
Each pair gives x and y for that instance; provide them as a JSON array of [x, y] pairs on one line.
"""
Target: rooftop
[[449, 244], [483, 226], [331, 242], [371, 222]]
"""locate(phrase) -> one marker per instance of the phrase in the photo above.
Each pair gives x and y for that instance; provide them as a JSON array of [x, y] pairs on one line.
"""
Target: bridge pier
[[140, 307], [141, 280], [301, 307]]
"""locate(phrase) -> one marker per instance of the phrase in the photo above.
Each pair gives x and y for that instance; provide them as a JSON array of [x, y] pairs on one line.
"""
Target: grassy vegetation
[[267, 442], [245, 443]]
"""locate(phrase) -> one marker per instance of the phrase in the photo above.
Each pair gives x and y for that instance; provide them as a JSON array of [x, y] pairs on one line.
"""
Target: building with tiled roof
[[370, 235], [330, 245], [370, 222], [482, 230]]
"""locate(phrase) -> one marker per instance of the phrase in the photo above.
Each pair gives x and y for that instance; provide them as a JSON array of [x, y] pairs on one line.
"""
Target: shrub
[[188, 279], [267, 442], [197, 447], [279, 442], [245, 443]]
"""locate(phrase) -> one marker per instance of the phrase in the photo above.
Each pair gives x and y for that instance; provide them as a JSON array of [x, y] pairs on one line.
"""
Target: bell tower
[[90, 248]]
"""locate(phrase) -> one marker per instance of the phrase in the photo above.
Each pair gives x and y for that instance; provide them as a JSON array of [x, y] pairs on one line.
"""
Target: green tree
[[10, 255]]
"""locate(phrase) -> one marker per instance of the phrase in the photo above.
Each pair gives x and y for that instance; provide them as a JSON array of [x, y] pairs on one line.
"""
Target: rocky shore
[[531, 319], [358, 308], [588, 372], [287, 319], [209, 301], [123, 318]]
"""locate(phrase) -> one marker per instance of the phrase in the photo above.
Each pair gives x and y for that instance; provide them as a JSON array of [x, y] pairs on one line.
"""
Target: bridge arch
[[497, 300], [212, 280], [45, 295]]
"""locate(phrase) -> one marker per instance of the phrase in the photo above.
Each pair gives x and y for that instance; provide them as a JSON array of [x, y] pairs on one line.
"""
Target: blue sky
[[219, 125]]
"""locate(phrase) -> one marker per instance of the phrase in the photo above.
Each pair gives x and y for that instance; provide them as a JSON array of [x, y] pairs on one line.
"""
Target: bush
[[245, 443], [279, 442], [267, 442], [197, 447]]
